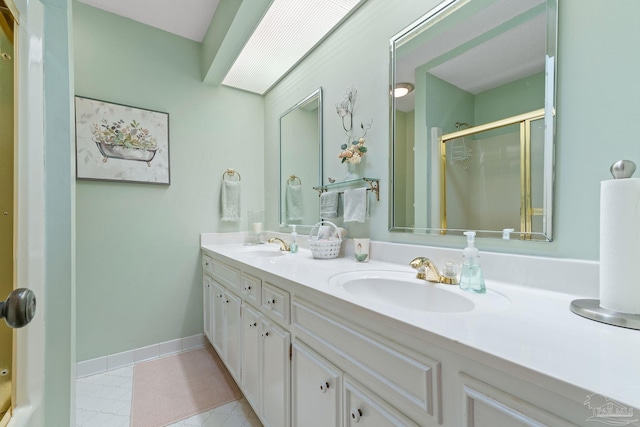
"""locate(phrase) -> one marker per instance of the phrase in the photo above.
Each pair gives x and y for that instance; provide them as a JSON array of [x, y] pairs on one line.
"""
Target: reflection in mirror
[[472, 144], [301, 161]]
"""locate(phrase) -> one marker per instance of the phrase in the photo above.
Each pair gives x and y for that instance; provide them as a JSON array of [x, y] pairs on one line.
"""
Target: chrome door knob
[[19, 308]]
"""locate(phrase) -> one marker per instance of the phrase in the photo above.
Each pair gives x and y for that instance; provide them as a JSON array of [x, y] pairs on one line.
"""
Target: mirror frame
[[549, 120], [281, 214]]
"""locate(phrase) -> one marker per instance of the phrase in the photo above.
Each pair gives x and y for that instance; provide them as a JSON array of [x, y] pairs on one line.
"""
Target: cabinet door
[[275, 375], [232, 334], [364, 408], [316, 389], [206, 305], [217, 318], [487, 406], [251, 357]]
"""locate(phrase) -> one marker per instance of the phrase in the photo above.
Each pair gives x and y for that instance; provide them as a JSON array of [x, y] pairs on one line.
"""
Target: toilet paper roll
[[620, 245]]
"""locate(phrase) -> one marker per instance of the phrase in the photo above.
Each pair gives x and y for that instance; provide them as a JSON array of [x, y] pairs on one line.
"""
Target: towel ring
[[231, 172], [292, 178]]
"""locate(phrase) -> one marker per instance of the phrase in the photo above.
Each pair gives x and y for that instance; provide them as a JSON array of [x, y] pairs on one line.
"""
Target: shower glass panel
[[6, 197], [491, 177]]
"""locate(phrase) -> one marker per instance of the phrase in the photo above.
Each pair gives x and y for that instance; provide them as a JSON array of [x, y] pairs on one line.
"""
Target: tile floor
[[104, 400]]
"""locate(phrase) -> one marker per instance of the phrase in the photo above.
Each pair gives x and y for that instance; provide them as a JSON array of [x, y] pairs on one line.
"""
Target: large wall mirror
[[472, 141], [301, 161]]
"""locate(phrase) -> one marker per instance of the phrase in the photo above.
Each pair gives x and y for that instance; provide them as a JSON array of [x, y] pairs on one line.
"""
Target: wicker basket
[[325, 248]]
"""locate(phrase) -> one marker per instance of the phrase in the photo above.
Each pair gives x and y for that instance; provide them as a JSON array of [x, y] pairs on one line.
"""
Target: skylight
[[288, 31]]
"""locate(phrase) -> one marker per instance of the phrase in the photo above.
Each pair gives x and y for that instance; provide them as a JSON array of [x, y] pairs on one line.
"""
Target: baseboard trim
[[128, 358]]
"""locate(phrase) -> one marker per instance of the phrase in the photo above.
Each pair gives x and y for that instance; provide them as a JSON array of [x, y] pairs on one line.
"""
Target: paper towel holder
[[590, 308], [622, 169]]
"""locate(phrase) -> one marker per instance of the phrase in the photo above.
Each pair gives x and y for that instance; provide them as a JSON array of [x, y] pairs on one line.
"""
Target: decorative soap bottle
[[293, 247], [471, 278]]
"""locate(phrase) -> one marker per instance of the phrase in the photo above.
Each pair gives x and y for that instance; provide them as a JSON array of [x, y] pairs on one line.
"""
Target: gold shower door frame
[[527, 211], [7, 198]]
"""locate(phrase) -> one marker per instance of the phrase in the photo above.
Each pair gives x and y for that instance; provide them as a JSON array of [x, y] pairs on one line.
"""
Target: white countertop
[[537, 330]]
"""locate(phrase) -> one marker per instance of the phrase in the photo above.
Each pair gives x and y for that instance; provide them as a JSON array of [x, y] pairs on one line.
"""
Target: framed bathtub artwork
[[117, 142]]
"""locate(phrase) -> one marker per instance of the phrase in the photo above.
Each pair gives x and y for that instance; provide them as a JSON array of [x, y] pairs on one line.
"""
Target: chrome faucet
[[428, 271], [283, 245]]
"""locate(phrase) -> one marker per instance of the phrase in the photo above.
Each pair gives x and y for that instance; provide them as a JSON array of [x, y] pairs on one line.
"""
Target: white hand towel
[[230, 198], [294, 202], [355, 205], [329, 204]]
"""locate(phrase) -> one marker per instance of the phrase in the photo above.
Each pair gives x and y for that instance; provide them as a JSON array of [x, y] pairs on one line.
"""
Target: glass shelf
[[374, 185]]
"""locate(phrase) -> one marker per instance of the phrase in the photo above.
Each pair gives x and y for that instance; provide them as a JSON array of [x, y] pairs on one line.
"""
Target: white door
[[217, 317], [251, 320], [316, 389], [232, 334], [206, 306], [275, 375], [364, 408]]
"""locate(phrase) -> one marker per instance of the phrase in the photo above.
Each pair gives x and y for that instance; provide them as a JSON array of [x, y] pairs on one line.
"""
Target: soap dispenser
[[293, 247], [471, 278]]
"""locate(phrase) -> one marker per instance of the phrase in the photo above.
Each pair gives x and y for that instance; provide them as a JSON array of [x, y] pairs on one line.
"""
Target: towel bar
[[231, 172], [374, 186], [292, 178]]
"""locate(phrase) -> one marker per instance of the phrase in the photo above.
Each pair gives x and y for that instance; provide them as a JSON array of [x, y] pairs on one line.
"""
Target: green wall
[[596, 113], [139, 279]]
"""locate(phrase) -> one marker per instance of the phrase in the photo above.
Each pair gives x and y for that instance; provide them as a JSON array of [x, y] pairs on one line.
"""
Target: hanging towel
[[355, 205], [230, 201], [329, 204], [294, 202]]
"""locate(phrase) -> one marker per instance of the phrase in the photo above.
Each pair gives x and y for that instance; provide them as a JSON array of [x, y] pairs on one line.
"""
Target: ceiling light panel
[[288, 31]]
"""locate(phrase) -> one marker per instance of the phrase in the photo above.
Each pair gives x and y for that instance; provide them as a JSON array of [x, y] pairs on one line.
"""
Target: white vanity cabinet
[[226, 327], [305, 358]]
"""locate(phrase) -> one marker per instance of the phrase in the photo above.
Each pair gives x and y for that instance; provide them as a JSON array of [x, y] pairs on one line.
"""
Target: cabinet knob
[[271, 301], [247, 288], [253, 325], [265, 335], [355, 415], [324, 387]]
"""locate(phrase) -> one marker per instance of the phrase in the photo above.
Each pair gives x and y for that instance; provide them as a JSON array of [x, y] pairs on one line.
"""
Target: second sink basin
[[403, 290]]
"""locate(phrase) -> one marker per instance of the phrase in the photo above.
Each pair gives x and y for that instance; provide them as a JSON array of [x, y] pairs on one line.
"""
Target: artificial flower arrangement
[[117, 134], [354, 150]]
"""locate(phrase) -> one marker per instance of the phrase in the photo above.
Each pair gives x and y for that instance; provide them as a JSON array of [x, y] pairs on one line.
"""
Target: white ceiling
[[517, 53], [186, 18]]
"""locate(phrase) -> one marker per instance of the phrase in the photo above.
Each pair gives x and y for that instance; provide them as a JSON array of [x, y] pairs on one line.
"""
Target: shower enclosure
[[6, 197], [491, 176]]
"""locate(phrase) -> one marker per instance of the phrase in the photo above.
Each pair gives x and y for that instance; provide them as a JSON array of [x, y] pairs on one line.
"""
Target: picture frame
[[116, 142]]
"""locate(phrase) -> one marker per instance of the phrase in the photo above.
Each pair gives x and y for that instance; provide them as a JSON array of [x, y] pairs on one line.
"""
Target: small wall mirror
[[472, 141], [301, 161]]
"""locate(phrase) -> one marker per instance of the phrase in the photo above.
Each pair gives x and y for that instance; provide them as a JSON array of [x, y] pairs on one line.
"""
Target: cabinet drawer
[[251, 289], [407, 380], [275, 302], [228, 276], [207, 264]]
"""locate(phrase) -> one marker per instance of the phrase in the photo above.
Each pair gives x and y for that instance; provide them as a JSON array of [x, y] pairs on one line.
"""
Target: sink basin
[[403, 290], [261, 251]]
